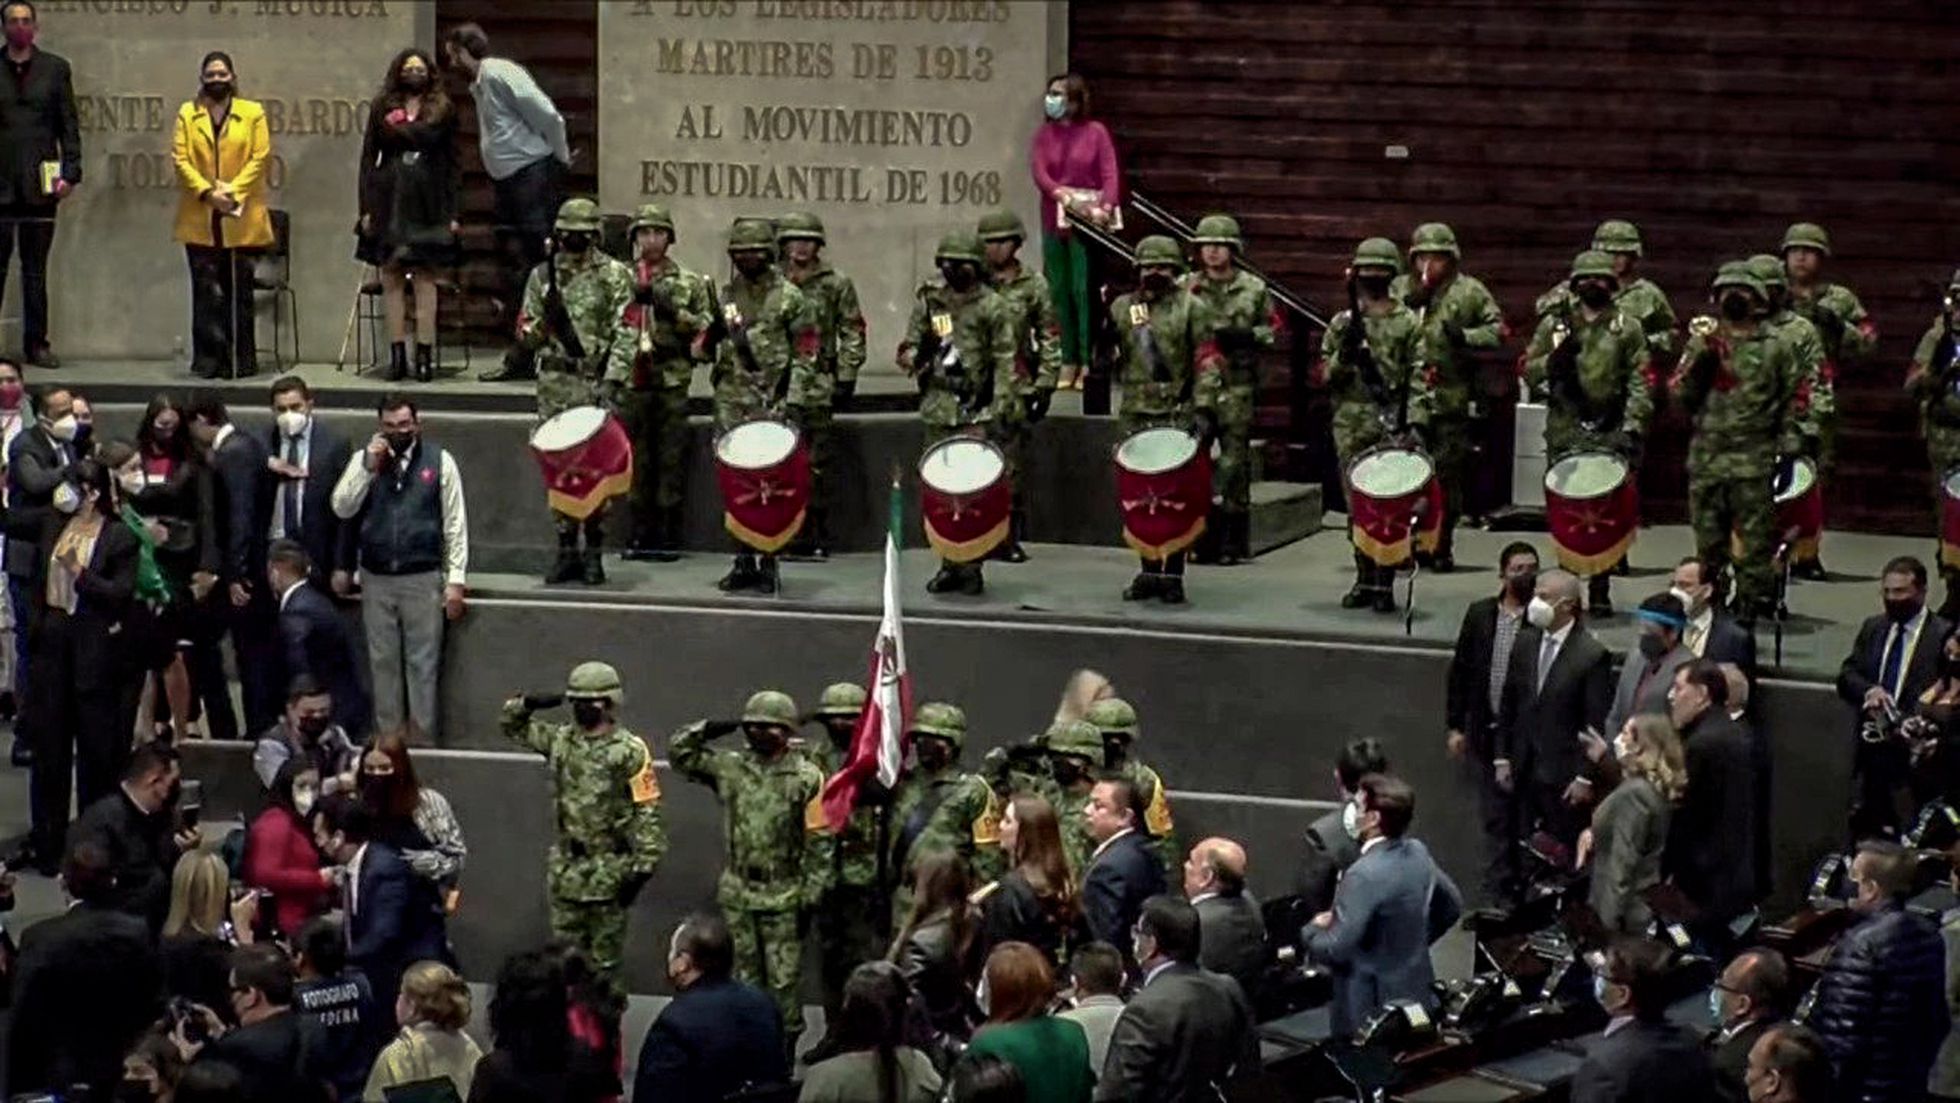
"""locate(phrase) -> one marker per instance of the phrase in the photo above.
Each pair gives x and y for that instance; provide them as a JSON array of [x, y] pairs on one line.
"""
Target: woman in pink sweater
[[1074, 162]]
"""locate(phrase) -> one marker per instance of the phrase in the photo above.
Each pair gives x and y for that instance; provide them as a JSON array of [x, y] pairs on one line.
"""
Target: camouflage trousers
[[1232, 478], [769, 955], [656, 419], [596, 927], [820, 438], [1943, 449], [559, 391], [1741, 505], [848, 934], [1014, 438], [1449, 447]]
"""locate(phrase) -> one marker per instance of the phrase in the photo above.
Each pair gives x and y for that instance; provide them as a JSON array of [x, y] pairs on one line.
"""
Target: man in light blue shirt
[[522, 139]]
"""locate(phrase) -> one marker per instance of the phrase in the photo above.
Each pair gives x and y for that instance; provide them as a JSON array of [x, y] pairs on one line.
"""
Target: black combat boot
[[591, 570], [1170, 586], [397, 363], [1206, 549], [741, 576], [1599, 596], [1231, 541], [972, 582], [1010, 550], [769, 577], [1810, 570], [818, 548], [1146, 584], [519, 364], [1382, 591], [1361, 594], [565, 568], [667, 538], [425, 363], [947, 579]]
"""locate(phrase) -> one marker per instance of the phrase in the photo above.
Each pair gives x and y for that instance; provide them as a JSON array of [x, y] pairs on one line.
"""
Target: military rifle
[[557, 319], [1355, 350]]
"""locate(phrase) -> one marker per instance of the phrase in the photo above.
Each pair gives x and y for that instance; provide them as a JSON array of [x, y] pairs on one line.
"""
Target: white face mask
[[132, 481], [303, 799], [292, 422], [63, 428], [1351, 820], [1540, 613], [1688, 602], [66, 498]]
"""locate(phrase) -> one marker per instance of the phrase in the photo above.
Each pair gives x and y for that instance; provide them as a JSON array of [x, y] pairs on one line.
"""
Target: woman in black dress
[[408, 202], [167, 487]]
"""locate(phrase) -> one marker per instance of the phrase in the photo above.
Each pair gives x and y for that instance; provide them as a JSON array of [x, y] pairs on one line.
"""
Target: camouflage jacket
[[1461, 317], [778, 851], [965, 819], [968, 376], [1615, 376], [1396, 343], [833, 308], [1168, 345], [1819, 392], [1038, 345], [774, 317], [1935, 384], [1157, 820], [1244, 321], [1642, 300], [854, 858], [659, 352], [596, 289], [606, 796], [1840, 319], [1745, 407]]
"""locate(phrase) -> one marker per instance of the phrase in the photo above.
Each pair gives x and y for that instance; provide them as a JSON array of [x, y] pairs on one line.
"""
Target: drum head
[[1391, 473], [1155, 451], [1803, 476], [961, 466], [568, 429], [756, 445], [1586, 475]]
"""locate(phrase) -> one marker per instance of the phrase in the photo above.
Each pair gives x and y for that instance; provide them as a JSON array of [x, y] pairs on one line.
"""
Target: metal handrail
[[1183, 230]]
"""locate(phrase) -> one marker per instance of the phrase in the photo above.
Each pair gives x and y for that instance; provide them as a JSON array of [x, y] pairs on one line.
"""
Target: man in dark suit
[[314, 638], [278, 1053], [1559, 683], [1789, 1064], [1895, 657], [242, 494], [1747, 999], [1649, 666], [36, 461], [136, 827], [1711, 632], [394, 918], [1186, 1032], [1394, 902], [1233, 930], [306, 457], [1475, 692], [1331, 845], [1641, 1058], [1123, 872], [38, 127], [718, 1034], [88, 982], [1711, 838]]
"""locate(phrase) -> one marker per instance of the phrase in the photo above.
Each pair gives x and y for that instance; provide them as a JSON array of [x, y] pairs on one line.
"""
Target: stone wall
[[118, 285], [894, 121]]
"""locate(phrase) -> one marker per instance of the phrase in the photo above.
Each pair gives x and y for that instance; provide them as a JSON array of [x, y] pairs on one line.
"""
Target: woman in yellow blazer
[[222, 149]]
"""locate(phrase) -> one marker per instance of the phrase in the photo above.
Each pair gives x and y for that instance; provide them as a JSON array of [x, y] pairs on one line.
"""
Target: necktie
[[1547, 653], [1895, 654], [291, 491], [1695, 638]]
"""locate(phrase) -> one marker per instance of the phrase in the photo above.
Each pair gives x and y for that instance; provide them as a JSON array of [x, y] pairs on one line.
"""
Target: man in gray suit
[[1232, 932], [1392, 904], [1649, 667], [1186, 1032]]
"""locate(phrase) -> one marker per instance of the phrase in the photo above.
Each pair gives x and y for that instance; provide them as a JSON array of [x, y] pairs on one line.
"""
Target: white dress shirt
[[302, 458]]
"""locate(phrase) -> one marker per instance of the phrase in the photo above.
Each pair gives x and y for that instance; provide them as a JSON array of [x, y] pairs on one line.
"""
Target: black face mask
[[1900, 612], [1652, 647], [751, 264], [576, 242], [1595, 295], [1157, 283], [399, 442], [840, 735], [414, 83], [933, 754], [1375, 287], [1737, 307], [375, 790], [134, 1091], [1066, 771], [217, 91], [588, 714], [766, 742], [959, 275], [311, 725], [1114, 752], [1522, 586]]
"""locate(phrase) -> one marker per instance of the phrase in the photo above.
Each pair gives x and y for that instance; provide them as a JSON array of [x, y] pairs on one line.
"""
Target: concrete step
[[1283, 513]]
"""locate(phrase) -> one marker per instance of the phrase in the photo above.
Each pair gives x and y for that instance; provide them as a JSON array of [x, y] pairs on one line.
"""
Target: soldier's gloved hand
[[994, 763], [1831, 327], [643, 294], [715, 729], [1786, 473], [630, 886], [1235, 338], [1205, 426], [663, 305], [846, 390], [1038, 403], [609, 393], [1452, 333], [1565, 355], [538, 702], [1419, 295]]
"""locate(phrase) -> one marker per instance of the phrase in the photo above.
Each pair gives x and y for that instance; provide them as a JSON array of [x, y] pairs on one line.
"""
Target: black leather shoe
[[972, 582], [397, 368], [1443, 563], [947, 579], [1171, 591], [739, 577], [1142, 587], [1810, 570], [425, 364], [769, 578], [43, 357], [1357, 597], [1384, 600], [519, 365], [565, 568]]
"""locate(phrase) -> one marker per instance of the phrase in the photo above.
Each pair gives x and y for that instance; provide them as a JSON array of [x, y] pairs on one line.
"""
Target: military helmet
[[1000, 225], [1075, 737], [960, 245], [1158, 250], [1768, 269], [1736, 273], [770, 706], [799, 225], [940, 719], [577, 214], [1377, 252], [594, 681], [749, 234], [1953, 281], [1593, 263], [841, 699], [1218, 229], [1113, 716], [1807, 235], [652, 216], [1434, 237], [1616, 235]]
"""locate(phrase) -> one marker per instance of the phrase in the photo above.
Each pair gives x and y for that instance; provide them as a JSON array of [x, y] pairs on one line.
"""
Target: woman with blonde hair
[[1629, 828], [204, 924], [1085, 687], [433, 1008]]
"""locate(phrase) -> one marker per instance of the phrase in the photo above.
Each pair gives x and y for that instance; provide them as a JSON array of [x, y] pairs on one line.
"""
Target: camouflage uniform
[[1037, 364], [1030, 770], [778, 850], [1599, 382], [1818, 394], [651, 372], [960, 347], [607, 802], [1392, 344], [850, 924], [1167, 343], [1742, 385], [950, 810], [1458, 317], [595, 289], [1244, 322], [1934, 383], [1116, 721], [1638, 298], [1847, 335], [815, 395]]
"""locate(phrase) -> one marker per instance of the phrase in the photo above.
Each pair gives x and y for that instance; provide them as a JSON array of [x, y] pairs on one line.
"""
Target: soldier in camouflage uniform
[[1075, 750], [1934, 382], [959, 345], [1244, 322], [1819, 391], [1115, 720], [1037, 357], [1848, 336], [1589, 361], [591, 293], [815, 396], [1638, 297], [763, 342], [1168, 345], [1742, 384], [1458, 318], [779, 852], [1378, 387], [606, 797], [939, 807], [649, 375]]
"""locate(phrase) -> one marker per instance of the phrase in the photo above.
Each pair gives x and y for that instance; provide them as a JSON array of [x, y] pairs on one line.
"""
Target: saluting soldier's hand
[[714, 729], [538, 702]]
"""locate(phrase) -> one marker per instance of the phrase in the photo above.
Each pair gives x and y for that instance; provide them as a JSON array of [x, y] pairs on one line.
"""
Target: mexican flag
[[878, 748]]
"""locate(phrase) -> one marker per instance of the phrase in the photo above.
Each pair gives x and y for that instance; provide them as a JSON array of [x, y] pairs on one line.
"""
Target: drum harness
[[942, 357], [557, 319], [1563, 375]]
